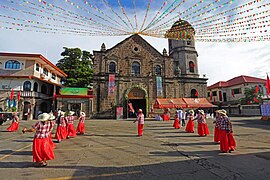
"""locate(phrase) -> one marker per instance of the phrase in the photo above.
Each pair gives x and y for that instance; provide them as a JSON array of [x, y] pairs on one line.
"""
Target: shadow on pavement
[[252, 123], [16, 152]]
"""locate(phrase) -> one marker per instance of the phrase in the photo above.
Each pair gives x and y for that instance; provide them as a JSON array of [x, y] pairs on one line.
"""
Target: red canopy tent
[[161, 103], [197, 103], [179, 103]]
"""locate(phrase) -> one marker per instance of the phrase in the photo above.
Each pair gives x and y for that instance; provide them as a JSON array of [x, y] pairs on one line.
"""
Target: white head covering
[[201, 111], [52, 117], [71, 113], [191, 111], [82, 113], [223, 112], [44, 117]]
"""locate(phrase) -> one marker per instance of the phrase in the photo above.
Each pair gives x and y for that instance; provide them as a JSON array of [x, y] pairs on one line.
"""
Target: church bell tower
[[181, 39]]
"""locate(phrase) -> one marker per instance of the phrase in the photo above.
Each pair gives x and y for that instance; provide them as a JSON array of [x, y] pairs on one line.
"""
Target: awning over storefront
[[182, 103], [163, 103], [197, 103]]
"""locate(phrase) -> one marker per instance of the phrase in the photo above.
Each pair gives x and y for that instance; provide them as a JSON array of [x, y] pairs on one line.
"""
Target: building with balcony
[[33, 79], [226, 93]]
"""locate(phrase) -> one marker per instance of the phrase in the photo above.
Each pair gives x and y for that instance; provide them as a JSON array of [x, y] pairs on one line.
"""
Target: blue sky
[[46, 27]]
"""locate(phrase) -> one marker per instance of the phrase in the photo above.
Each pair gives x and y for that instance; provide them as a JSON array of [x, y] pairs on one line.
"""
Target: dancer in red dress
[[42, 149], [61, 132], [140, 119], [202, 126], [176, 123], [80, 127], [15, 123], [217, 127], [190, 124], [70, 125], [227, 142]]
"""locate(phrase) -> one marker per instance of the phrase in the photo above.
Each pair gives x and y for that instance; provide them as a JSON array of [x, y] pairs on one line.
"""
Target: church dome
[[181, 30]]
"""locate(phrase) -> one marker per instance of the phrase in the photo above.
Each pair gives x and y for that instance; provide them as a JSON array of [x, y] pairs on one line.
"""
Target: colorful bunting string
[[204, 21]]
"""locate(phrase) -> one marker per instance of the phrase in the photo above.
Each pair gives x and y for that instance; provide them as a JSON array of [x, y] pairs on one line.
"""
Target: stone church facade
[[135, 64]]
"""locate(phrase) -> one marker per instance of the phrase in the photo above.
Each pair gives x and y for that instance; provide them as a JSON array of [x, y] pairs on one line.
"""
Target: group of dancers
[[223, 132], [43, 145]]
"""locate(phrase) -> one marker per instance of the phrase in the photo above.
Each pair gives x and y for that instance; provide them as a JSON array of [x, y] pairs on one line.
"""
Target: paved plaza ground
[[110, 149]]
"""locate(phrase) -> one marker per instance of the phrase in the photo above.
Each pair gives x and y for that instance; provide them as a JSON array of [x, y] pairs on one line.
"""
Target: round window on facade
[[136, 49]]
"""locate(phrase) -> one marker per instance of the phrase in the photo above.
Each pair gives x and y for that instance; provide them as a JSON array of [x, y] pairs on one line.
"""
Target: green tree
[[77, 65], [251, 96]]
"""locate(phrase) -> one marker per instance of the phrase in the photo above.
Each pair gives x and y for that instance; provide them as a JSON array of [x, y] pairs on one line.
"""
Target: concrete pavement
[[110, 149]]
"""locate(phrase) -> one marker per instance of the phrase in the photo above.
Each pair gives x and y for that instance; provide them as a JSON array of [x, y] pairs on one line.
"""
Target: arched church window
[[112, 67], [12, 64], [191, 66], [158, 70], [27, 86], [135, 68]]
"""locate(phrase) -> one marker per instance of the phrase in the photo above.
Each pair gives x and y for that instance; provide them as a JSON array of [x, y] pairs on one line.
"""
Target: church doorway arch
[[137, 96]]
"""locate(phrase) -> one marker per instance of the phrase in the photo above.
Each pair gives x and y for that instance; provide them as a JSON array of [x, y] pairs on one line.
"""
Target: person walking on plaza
[[42, 149], [176, 123], [202, 126], [181, 116], [217, 127], [140, 119], [190, 124], [15, 123], [70, 125], [80, 127], [61, 131], [227, 142]]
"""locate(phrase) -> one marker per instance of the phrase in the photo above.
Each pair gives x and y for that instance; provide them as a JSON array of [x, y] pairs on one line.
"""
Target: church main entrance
[[136, 100]]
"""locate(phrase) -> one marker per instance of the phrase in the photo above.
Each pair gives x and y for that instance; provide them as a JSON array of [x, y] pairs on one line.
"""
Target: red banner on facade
[[111, 85]]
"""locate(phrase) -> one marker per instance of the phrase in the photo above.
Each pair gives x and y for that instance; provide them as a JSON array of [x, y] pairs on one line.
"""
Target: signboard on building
[[265, 109], [74, 91], [159, 86], [111, 85]]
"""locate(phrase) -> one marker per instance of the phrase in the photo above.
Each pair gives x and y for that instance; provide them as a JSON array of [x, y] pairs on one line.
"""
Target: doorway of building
[[137, 104], [26, 111]]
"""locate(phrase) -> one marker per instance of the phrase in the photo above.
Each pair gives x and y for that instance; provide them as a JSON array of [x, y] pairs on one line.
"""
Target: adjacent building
[[229, 92], [34, 81], [135, 72]]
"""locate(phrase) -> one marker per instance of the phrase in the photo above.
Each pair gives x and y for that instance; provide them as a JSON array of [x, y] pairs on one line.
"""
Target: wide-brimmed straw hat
[[44, 117], [191, 111], [223, 112], [71, 113], [82, 113], [201, 111], [52, 117]]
